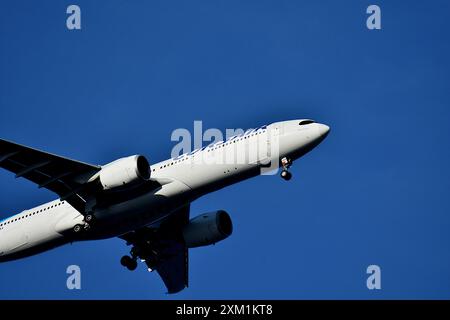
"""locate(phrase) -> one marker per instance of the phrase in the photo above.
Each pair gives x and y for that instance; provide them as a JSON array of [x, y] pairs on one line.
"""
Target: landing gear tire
[[77, 228], [286, 175], [129, 263], [89, 218], [286, 163]]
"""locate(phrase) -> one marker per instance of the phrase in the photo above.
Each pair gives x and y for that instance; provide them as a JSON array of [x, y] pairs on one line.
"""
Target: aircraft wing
[[65, 177], [163, 249]]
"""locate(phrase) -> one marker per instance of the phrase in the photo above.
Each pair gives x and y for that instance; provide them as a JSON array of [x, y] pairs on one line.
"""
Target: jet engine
[[124, 172], [207, 229]]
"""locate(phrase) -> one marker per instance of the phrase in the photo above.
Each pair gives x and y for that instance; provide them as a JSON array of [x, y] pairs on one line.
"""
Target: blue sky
[[375, 192]]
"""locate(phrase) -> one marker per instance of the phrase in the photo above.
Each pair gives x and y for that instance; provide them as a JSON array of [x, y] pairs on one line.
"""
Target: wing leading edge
[[66, 177], [162, 247]]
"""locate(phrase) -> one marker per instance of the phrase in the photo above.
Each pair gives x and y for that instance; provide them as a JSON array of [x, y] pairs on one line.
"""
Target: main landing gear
[[129, 263], [78, 228], [286, 163], [89, 220]]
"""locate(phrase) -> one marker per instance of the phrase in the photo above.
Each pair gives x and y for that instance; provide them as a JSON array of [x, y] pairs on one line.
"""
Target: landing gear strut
[[129, 263], [286, 163], [89, 220]]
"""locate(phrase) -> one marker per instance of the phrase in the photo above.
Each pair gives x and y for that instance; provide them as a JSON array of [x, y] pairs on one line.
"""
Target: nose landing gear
[[286, 175], [286, 163]]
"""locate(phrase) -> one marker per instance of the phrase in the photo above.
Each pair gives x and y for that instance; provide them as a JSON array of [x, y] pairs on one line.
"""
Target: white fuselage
[[183, 179]]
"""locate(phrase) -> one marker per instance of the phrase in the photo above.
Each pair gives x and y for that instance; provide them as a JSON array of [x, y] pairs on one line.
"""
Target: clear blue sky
[[375, 192]]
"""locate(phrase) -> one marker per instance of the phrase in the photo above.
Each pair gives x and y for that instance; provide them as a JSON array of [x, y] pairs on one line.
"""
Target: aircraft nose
[[323, 130]]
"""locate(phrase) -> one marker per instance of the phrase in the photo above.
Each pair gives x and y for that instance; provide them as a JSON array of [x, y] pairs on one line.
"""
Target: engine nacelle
[[208, 228], [124, 172]]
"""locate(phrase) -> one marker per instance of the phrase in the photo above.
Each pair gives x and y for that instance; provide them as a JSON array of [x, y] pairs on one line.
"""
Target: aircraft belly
[[141, 211], [25, 241]]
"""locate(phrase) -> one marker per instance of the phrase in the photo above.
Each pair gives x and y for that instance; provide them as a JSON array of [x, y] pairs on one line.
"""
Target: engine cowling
[[124, 172], [207, 229]]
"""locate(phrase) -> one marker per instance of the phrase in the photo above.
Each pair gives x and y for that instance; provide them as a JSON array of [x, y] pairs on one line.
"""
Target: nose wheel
[[286, 175], [286, 163]]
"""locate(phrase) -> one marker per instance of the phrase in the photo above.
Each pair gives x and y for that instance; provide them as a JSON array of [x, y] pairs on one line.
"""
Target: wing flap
[[173, 269], [163, 249]]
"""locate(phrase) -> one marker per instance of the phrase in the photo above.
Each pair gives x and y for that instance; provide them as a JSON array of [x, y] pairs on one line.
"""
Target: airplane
[[146, 205]]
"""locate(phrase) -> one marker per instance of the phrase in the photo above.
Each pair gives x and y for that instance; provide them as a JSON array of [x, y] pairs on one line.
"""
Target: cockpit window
[[303, 122]]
